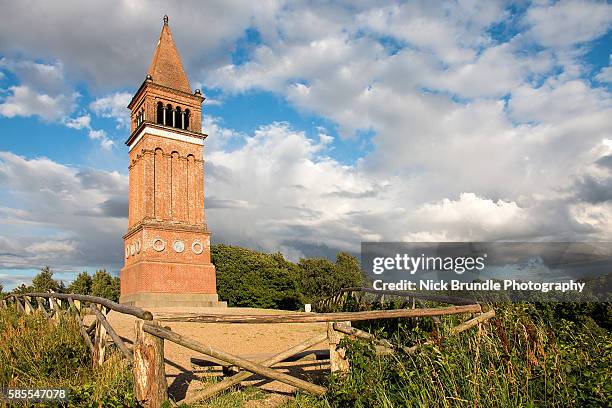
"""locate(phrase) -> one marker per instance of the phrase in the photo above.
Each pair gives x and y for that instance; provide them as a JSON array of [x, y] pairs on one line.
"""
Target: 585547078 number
[[33, 394]]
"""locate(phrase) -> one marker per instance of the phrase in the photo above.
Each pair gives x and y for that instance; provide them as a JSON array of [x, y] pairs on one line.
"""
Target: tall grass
[[35, 352], [516, 360]]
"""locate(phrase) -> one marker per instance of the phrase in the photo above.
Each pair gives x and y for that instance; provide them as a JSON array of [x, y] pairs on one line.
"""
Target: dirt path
[[257, 341]]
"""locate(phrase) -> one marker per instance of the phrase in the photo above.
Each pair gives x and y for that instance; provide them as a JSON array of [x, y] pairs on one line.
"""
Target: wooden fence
[[147, 352], [359, 296]]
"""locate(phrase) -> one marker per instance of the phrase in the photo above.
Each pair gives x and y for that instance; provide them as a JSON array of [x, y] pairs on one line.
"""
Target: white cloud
[[116, 53], [568, 22], [282, 193], [81, 122], [114, 106], [63, 219], [45, 78], [100, 135], [23, 101], [43, 92], [53, 248], [605, 75], [471, 218], [557, 101], [451, 31]]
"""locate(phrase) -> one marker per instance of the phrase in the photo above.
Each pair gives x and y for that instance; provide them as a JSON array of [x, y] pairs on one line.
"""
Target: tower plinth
[[167, 245]]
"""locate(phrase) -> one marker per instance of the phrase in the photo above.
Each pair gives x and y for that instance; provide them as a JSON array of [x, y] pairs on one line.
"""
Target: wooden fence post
[[41, 307], [29, 309], [150, 385], [99, 344], [19, 305], [337, 356], [55, 309], [109, 329], [85, 335]]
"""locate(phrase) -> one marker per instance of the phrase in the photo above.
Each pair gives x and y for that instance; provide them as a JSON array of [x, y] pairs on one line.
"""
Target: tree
[[347, 271], [43, 282], [81, 285], [21, 289], [320, 278], [1, 288], [253, 279], [105, 285]]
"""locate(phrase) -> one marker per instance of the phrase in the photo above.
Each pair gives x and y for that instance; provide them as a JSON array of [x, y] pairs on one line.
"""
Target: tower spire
[[166, 68]]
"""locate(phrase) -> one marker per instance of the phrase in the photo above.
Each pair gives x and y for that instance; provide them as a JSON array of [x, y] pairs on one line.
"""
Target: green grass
[[527, 356], [35, 352], [233, 398], [518, 359]]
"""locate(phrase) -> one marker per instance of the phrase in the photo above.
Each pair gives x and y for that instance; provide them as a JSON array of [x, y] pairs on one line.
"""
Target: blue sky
[[329, 123]]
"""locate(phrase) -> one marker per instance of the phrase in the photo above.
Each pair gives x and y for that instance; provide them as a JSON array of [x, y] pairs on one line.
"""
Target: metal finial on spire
[[166, 19]]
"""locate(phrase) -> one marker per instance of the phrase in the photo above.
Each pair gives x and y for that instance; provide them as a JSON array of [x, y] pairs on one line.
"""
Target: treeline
[[101, 284], [248, 278], [245, 278]]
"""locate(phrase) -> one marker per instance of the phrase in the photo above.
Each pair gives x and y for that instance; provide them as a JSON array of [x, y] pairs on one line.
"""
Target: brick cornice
[[134, 134], [149, 223]]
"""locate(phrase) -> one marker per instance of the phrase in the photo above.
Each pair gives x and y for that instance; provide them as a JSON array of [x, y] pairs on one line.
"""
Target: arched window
[[168, 115], [186, 122], [139, 117], [178, 118], [160, 113]]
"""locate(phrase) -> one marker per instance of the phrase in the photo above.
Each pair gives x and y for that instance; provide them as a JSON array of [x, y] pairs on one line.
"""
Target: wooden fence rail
[[324, 317], [147, 353], [358, 293], [126, 309]]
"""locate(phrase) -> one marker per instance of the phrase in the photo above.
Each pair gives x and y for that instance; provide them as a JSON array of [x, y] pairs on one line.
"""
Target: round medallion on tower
[[178, 246], [197, 247], [159, 245]]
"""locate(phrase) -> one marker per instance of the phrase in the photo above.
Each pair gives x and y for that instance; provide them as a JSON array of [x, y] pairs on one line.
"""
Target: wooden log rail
[[243, 375], [126, 309], [359, 292], [387, 347], [324, 317]]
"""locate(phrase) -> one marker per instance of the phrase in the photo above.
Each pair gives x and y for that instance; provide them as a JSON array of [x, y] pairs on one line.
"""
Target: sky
[[329, 123]]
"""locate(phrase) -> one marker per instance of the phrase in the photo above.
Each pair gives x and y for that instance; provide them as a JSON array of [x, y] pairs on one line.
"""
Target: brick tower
[[167, 245]]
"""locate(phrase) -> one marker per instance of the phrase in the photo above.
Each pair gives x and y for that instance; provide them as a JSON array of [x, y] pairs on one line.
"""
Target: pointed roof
[[166, 68]]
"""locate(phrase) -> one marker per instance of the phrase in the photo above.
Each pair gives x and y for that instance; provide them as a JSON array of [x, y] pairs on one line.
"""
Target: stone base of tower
[[167, 284], [152, 300]]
